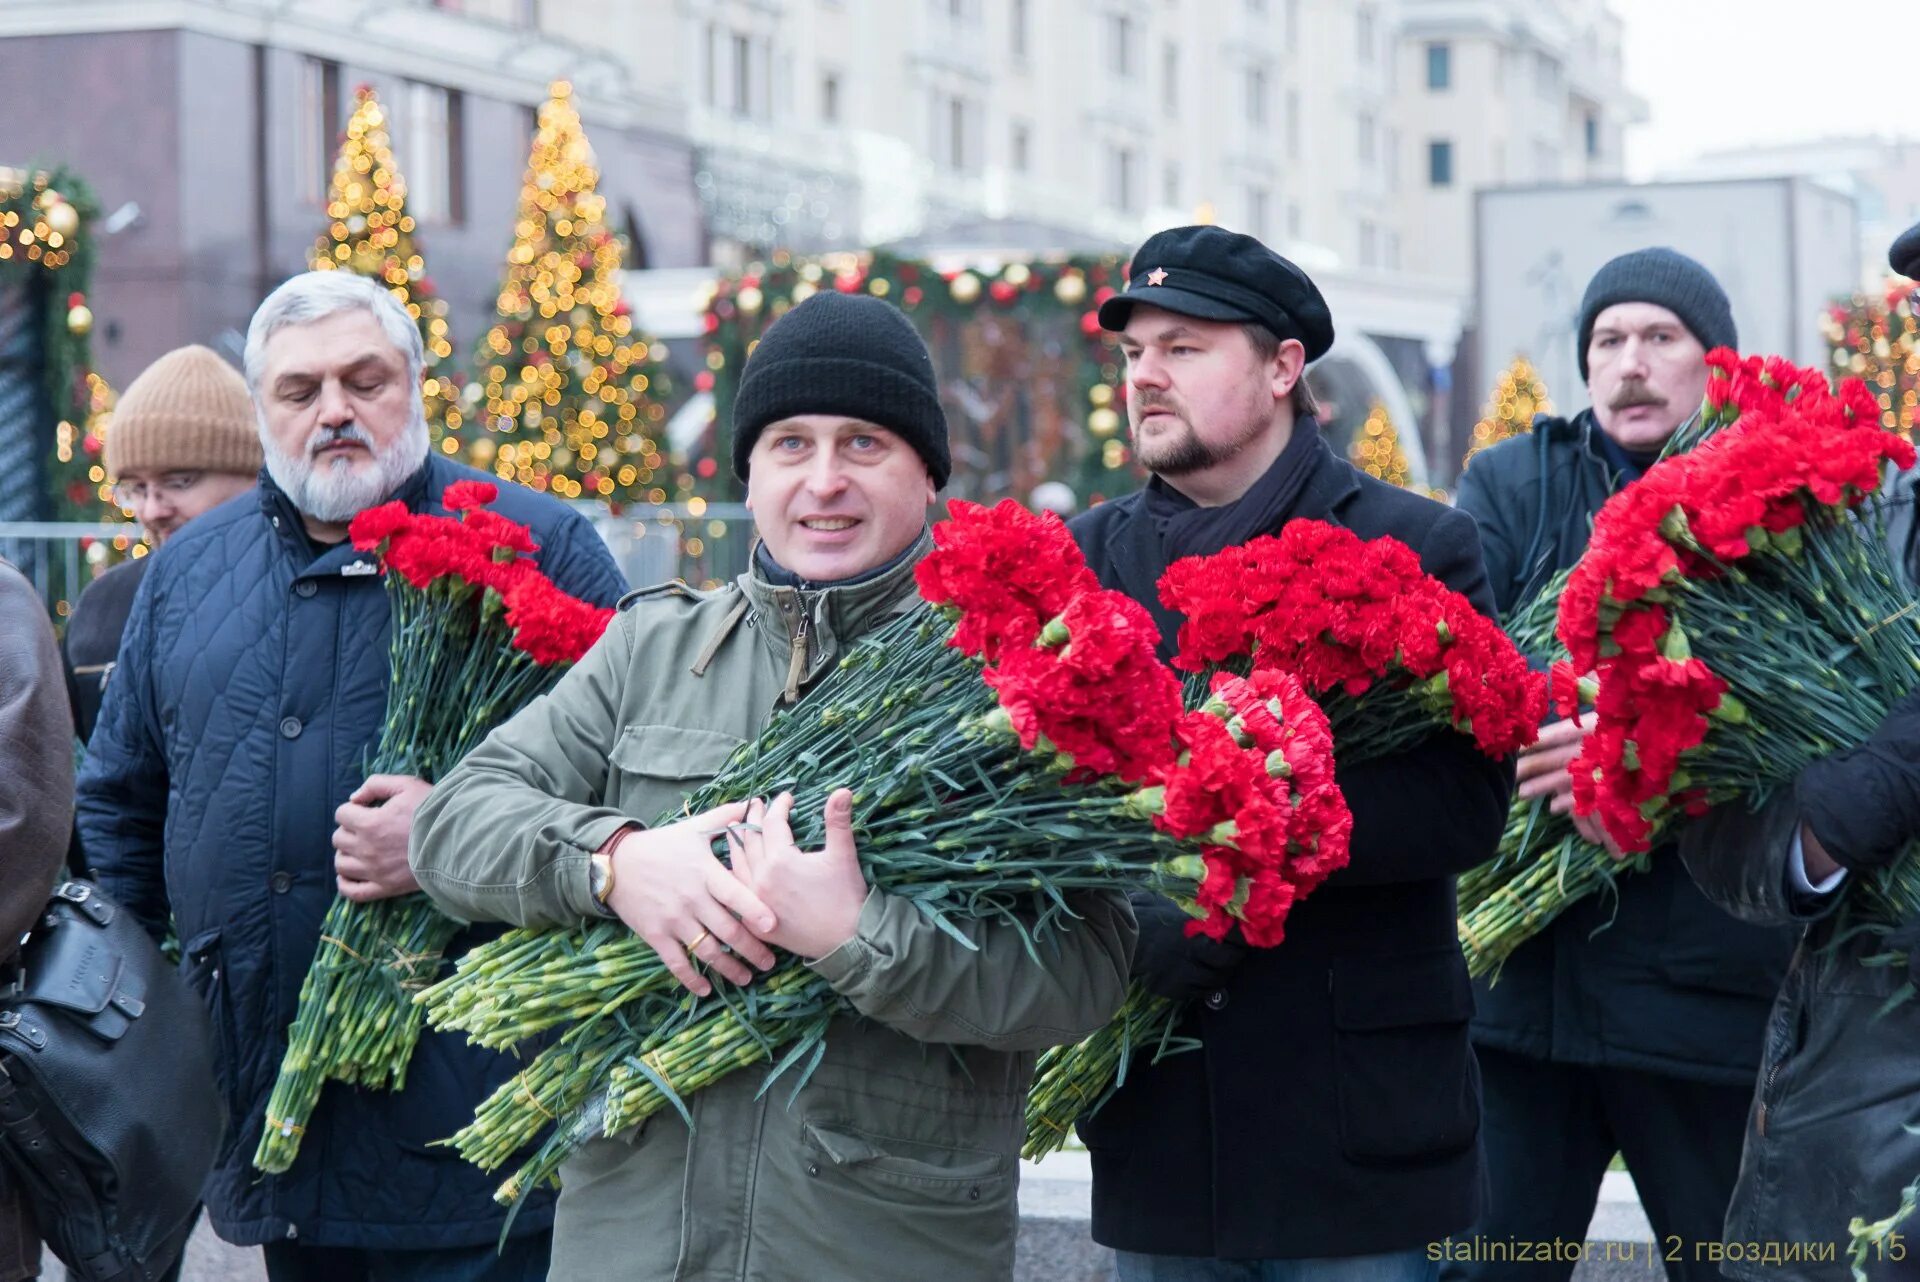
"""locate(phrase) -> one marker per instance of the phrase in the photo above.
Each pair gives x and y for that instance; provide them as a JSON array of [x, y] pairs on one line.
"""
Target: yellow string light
[[1516, 398], [1376, 448], [565, 370], [370, 233]]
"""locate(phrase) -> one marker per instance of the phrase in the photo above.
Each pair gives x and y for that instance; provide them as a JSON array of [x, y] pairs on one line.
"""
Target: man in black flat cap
[[1327, 1129]]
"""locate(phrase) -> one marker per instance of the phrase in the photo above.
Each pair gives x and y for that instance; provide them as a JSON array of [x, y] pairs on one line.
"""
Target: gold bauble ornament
[[1071, 288], [79, 319], [63, 218], [966, 287]]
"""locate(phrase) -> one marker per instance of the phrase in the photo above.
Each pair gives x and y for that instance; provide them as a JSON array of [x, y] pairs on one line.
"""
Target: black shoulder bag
[[110, 1118]]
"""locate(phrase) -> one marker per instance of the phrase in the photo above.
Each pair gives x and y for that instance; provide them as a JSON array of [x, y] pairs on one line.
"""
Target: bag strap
[[29, 1143]]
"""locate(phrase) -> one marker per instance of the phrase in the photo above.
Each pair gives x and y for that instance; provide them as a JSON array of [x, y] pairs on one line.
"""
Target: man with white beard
[[225, 788]]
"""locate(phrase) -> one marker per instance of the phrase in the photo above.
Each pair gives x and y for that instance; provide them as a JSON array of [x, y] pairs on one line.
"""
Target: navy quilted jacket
[[251, 686]]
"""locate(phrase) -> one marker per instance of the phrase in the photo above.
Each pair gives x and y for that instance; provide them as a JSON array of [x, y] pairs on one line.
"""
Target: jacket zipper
[[797, 663]]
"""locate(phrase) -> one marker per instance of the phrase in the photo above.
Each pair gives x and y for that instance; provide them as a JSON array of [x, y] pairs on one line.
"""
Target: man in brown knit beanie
[[182, 440]]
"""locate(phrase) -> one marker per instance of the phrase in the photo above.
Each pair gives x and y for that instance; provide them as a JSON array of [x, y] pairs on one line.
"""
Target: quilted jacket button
[[281, 882], [306, 587], [1216, 1000], [813, 1168], [290, 728]]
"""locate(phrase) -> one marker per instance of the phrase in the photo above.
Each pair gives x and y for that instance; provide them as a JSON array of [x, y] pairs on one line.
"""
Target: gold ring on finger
[[698, 940]]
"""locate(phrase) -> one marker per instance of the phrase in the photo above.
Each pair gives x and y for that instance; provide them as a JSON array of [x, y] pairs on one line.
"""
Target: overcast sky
[[1728, 73]]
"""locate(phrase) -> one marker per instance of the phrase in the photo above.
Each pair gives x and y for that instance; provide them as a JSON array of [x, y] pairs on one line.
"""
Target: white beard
[[336, 493]]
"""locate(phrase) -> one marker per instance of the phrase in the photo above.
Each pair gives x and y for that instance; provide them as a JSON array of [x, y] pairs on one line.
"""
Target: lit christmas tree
[[1878, 340], [575, 400], [1376, 448], [86, 444], [371, 234], [1517, 397]]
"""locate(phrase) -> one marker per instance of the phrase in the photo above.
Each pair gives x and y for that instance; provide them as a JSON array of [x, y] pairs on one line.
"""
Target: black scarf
[[1168, 525]]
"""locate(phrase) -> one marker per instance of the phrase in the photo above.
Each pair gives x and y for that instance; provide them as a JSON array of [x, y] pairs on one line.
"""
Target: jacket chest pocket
[[653, 768], [1409, 1090]]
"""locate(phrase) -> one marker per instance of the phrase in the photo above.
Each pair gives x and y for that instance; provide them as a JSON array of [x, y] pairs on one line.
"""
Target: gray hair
[[312, 296]]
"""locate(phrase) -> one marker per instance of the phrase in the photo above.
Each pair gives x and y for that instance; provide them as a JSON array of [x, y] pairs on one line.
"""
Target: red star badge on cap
[[1158, 276]]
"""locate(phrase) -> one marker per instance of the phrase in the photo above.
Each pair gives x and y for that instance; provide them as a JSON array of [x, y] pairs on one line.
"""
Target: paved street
[[1054, 1205]]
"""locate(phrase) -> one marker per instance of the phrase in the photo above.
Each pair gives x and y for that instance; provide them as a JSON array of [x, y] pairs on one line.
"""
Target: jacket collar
[[286, 522], [809, 626]]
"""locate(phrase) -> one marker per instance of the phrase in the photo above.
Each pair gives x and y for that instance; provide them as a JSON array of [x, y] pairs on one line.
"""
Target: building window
[[1293, 222], [1293, 124], [319, 123], [1439, 163], [1369, 244], [1546, 75], [527, 12], [1439, 65], [1363, 34], [1393, 251], [1293, 24], [1120, 44], [1390, 148], [1021, 147], [1170, 78], [1170, 184], [1546, 162], [952, 132], [1367, 127], [1499, 161], [1592, 127], [1257, 213], [429, 154], [741, 101], [1120, 178], [830, 98], [710, 67], [1017, 28], [1256, 96]]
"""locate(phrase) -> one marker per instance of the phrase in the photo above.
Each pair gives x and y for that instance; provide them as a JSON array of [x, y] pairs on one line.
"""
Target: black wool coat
[[1657, 978], [1334, 1107]]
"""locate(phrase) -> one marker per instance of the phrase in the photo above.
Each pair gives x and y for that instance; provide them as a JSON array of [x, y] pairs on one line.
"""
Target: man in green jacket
[[899, 1157]]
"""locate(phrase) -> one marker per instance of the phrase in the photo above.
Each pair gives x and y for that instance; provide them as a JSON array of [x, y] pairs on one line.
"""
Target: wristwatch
[[600, 876], [600, 865]]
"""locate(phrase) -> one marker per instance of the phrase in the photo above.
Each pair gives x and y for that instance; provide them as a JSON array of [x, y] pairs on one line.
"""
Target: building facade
[[1350, 134], [209, 129]]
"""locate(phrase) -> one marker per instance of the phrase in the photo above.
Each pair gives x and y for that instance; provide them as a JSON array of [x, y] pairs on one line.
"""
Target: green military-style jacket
[[900, 1156]]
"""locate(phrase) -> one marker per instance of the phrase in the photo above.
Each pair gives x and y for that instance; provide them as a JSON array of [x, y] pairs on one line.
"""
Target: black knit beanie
[[1668, 279], [848, 354]]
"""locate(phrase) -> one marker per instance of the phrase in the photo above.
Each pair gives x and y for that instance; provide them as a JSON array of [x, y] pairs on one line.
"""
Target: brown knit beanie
[[187, 412]]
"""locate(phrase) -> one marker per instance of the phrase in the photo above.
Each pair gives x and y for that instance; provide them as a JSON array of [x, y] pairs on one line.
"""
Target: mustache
[[1634, 392], [1144, 401], [344, 433]]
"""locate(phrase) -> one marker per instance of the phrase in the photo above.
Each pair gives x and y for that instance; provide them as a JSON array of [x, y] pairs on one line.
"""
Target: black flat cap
[[1904, 257], [1215, 274]]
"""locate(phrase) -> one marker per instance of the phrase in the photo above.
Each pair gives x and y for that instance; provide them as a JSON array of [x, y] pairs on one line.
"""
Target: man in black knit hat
[[1632, 1023], [899, 1156]]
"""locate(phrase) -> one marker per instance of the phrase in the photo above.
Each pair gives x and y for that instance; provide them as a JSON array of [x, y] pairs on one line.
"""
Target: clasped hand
[[1543, 772], [671, 891]]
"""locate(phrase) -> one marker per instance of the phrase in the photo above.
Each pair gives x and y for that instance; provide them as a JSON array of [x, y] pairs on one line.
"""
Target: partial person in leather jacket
[[36, 817]]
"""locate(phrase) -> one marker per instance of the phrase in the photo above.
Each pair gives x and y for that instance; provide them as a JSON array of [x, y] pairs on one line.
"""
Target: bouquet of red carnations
[[478, 631], [1392, 655], [1016, 742], [1742, 611]]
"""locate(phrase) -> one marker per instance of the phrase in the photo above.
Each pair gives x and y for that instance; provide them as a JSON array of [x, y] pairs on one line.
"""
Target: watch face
[[599, 872]]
